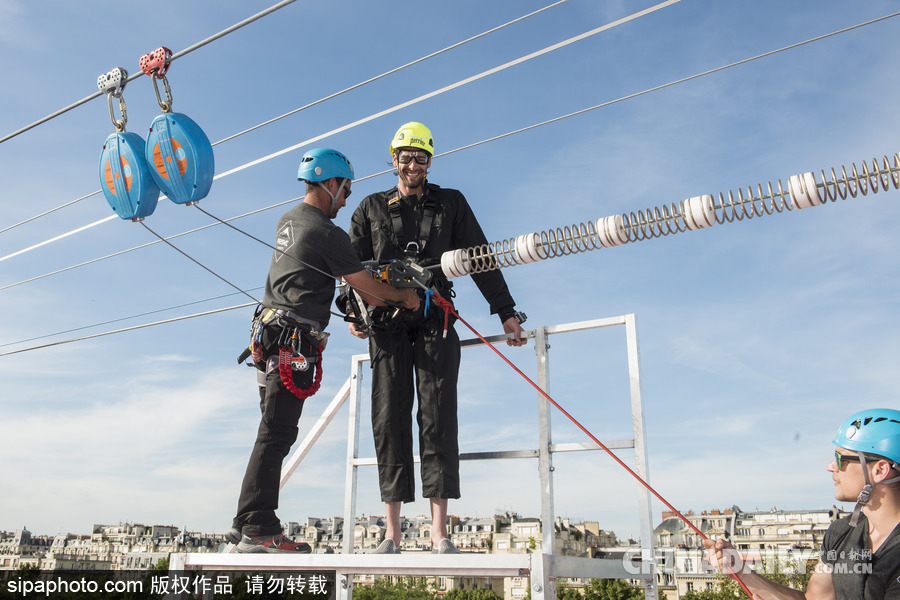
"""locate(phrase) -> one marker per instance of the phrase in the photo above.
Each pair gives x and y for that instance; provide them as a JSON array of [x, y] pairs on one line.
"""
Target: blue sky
[[757, 338]]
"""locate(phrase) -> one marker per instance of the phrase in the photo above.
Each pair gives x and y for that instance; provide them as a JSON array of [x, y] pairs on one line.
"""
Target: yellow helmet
[[413, 135]]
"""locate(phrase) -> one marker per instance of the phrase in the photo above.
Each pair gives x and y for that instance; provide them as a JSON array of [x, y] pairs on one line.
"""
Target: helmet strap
[[863, 498], [334, 197]]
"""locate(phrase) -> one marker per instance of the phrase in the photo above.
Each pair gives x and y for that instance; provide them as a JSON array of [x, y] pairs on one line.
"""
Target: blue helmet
[[320, 164], [873, 431]]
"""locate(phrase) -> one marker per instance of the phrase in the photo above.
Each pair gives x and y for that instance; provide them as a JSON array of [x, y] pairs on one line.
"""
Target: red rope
[[447, 306], [287, 375]]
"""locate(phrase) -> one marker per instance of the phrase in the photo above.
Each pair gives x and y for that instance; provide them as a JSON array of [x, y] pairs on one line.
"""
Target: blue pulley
[[125, 177], [180, 157]]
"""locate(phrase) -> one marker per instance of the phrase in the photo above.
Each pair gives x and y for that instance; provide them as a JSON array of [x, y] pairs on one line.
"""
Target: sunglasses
[[843, 459], [404, 158]]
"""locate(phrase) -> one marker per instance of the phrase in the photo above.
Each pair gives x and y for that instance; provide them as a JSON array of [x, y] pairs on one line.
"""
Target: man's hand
[[356, 331], [410, 298], [514, 332], [724, 557]]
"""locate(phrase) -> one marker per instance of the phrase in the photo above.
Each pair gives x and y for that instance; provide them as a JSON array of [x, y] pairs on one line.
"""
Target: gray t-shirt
[[856, 572], [306, 238]]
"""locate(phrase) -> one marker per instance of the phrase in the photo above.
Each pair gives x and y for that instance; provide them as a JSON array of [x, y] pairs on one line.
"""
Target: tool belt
[[284, 341]]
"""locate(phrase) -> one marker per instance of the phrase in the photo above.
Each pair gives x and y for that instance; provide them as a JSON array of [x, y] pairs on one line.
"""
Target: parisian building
[[786, 540], [128, 546]]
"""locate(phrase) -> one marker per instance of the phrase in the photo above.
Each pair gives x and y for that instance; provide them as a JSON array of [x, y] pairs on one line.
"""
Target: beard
[[417, 181]]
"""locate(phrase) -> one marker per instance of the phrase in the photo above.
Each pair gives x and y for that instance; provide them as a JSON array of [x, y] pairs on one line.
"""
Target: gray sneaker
[[233, 536], [446, 547], [387, 547], [271, 544]]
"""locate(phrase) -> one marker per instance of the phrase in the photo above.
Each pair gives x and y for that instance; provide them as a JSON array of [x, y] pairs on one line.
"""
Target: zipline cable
[[134, 248], [47, 212], [96, 335], [491, 139], [456, 85], [447, 306], [120, 319], [401, 106], [186, 255], [175, 56], [324, 99], [196, 262], [696, 213], [172, 237], [392, 71]]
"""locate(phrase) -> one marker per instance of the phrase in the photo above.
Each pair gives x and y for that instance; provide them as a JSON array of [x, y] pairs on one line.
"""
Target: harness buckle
[[412, 250]]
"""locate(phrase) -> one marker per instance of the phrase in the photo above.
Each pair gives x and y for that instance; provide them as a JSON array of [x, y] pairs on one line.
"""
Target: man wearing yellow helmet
[[420, 221]]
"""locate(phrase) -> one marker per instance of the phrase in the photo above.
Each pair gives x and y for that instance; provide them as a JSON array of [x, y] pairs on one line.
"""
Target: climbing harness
[[125, 178], [414, 245], [299, 345], [179, 153], [291, 358], [400, 273]]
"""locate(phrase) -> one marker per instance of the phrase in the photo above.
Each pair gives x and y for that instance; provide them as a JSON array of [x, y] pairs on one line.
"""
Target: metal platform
[[542, 568]]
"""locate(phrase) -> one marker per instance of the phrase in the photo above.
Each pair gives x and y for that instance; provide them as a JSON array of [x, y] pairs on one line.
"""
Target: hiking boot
[[446, 547], [272, 544], [387, 547]]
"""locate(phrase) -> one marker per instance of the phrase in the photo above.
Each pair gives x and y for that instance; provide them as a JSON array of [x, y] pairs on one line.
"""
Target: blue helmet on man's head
[[873, 431], [320, 164]]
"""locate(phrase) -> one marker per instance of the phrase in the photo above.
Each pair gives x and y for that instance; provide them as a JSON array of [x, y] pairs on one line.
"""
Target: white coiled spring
[[803, 191]]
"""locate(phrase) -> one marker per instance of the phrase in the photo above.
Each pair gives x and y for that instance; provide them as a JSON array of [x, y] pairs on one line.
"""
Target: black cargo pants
[[411, 347]]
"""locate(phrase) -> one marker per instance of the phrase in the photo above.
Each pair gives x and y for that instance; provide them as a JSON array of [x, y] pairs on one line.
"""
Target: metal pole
[[344, 582], [541, 577], [645, 509]]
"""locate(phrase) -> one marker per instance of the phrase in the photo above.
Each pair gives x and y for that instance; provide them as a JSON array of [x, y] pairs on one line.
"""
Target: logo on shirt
[[284, 240]]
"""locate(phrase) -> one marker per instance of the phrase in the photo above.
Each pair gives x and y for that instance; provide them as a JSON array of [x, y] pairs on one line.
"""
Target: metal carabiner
[[119, 124], [113, 85], [155, 65], [167, 105]]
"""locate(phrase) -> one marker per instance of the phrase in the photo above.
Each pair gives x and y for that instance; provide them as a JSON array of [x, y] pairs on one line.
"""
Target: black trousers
[[412, 348], [276, 434]]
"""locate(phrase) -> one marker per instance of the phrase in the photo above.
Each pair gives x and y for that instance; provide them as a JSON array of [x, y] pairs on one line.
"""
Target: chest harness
[[405, 272], [414, 247]]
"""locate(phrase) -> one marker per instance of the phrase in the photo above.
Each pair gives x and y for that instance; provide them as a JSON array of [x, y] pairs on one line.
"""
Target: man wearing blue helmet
[[860, 554], [287, 339]]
